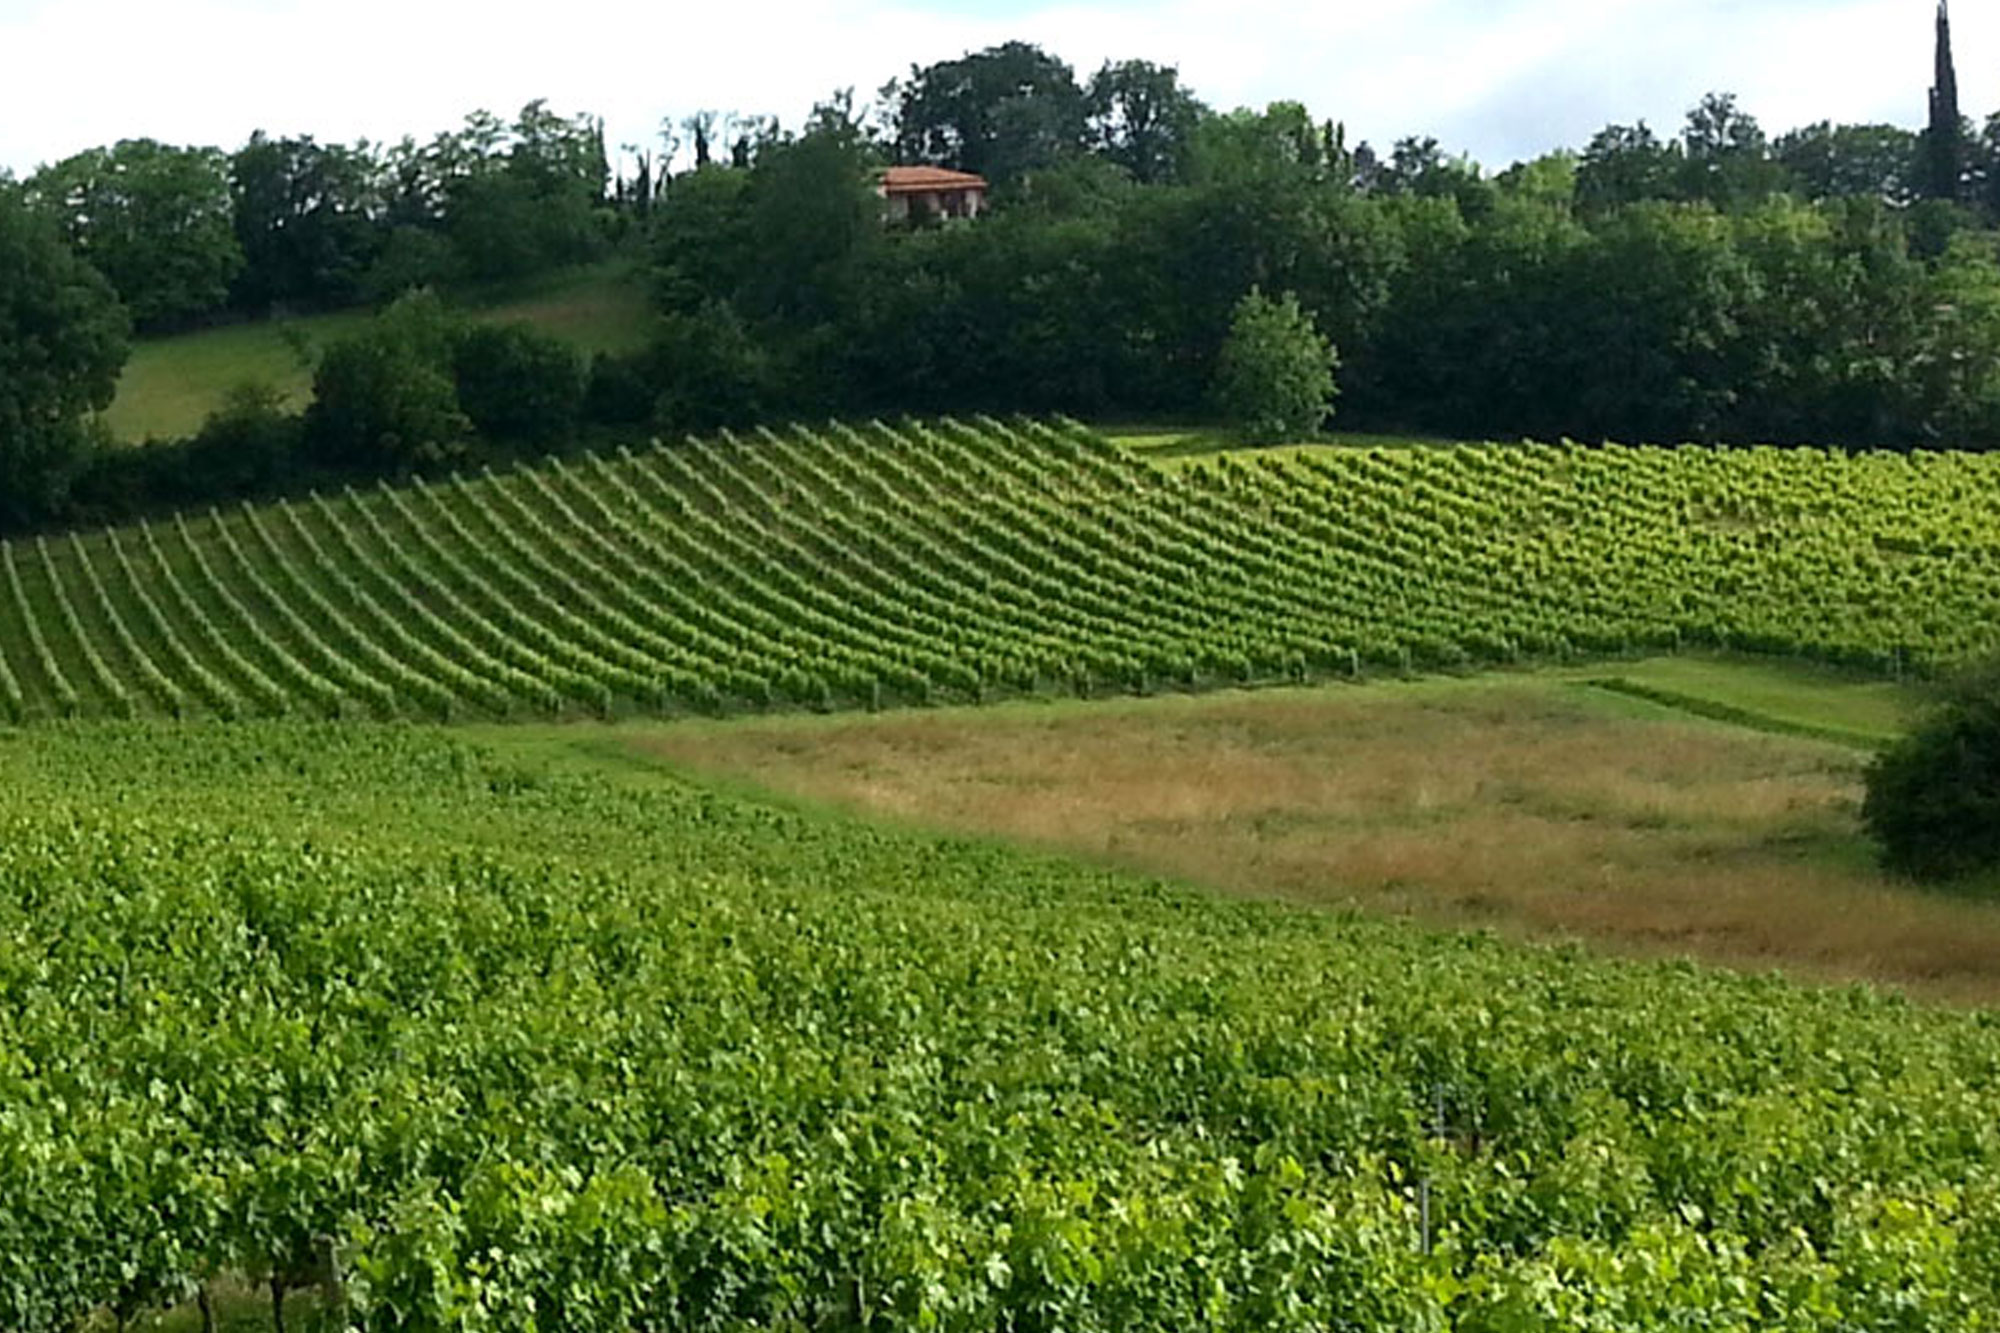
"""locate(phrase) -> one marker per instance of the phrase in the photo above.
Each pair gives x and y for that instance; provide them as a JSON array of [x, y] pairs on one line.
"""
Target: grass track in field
[[1513, 802], [1787, 693], [170, 384], [1173, 445]]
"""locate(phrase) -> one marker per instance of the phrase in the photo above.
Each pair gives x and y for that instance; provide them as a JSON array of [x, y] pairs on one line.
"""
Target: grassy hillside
[[516, 1035], [915, 564], [170, 384], [1523, 802]]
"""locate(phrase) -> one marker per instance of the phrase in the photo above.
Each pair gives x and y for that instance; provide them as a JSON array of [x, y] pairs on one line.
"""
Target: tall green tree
[[811, 218], [303, 219], [1725, 156], [999, 113], [1655, 298], [1983, 171], [1944, 139], [701, 243], [1142, 119], [1274, 379], [1419, 166], [1548, 179], [524, 196], [1953, 371], [1282, 145], [385, 399], [1477, 336], [772, 262], [154, 219], [1829, 161], [1827, 325], [1627, 164], [62, 343]]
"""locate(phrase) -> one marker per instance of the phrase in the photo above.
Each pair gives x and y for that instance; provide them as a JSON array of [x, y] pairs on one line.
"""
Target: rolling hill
[[863, 567]]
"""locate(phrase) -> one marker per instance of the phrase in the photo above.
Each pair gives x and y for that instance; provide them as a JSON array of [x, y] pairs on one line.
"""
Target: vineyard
[[878, 565], [436, 1036]]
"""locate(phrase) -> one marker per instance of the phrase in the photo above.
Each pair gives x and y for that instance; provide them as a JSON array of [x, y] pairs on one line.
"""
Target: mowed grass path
[[171, 384], [1530, 804]]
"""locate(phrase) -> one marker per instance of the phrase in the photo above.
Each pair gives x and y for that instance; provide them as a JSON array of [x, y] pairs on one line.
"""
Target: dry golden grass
[[1527, 806]]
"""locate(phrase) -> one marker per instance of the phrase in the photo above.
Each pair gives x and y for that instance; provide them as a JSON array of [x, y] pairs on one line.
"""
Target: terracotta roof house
[[917, 194]]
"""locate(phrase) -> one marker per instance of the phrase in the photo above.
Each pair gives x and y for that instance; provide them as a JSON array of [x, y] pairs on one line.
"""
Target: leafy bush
[[385, 398], [618, 391], [1934, 799], [1274, 380], [518, 385], [710, 370], [248, 446]]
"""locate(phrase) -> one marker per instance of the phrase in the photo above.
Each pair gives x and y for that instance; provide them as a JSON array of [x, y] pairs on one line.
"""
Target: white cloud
[[1501, 79]]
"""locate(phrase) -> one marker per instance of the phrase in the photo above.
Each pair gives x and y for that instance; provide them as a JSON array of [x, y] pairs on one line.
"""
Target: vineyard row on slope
[[858, 566]]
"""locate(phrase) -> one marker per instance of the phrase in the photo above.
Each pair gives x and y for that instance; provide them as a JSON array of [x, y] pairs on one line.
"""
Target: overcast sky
[[1500, 79]]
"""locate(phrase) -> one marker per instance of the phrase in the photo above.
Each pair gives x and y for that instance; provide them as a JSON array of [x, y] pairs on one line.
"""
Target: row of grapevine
[[854, 565], [303, 1003]]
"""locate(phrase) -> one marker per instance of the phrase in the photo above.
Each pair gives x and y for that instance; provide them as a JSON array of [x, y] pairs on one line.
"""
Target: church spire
[[1944, 148]]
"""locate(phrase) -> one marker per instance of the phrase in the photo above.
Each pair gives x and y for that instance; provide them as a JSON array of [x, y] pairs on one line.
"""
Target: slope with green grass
[[171, 384], [1787, 698], [916, 563]]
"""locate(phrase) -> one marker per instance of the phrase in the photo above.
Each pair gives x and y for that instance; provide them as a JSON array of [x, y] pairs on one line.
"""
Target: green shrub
[[1934, 798], [247, 446], [518, 385], [385, 399], [1274, 379], [711, 370], [618, 391]]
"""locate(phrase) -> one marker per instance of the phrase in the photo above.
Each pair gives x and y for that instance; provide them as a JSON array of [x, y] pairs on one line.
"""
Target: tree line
[[187, 234], [1719, 284], [1835, 284]]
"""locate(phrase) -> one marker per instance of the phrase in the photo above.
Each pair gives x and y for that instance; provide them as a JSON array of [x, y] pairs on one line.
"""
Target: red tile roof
[[913, 180]]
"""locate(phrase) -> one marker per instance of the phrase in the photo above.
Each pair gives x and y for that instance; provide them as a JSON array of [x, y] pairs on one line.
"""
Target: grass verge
[[1783, 697]]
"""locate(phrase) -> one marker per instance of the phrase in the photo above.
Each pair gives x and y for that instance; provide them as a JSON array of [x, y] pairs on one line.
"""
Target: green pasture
[[170, 384]]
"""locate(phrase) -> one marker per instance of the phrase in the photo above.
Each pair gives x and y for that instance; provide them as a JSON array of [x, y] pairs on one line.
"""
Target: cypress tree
[[1944, 142]]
